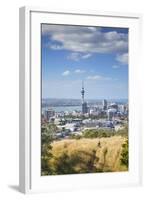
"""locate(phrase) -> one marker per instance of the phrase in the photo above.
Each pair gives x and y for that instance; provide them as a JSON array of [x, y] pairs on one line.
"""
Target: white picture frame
[[29, 160]]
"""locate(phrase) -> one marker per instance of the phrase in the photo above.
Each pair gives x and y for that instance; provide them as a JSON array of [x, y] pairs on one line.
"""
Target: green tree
[[94, 133], [62, 164], [125, 154], [47, 133], [123, 132]]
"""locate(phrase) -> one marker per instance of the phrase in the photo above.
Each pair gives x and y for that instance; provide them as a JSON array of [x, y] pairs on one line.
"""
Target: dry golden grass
[[104, 153]]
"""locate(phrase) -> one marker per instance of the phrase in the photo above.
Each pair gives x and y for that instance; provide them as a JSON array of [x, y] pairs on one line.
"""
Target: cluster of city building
[[107, 115]]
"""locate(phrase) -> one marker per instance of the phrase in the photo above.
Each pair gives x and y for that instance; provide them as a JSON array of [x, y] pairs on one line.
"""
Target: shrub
[[124, 154], [95, 133], [123, 132], [46, 139], [73, 162], [77, 137]]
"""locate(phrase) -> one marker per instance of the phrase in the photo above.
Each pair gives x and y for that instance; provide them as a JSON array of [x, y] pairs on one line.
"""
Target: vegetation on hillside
[[47, 133], [86, 156], [97, 133], [123, 132], [125, 154], [93, 151]]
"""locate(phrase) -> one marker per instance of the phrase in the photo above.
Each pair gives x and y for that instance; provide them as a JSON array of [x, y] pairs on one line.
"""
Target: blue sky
[[96, 55]]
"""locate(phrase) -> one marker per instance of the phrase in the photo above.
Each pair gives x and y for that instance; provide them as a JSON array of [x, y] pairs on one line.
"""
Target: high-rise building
[[111, 113], [104, 104], [113, 105], [49, 113], [84, 104]]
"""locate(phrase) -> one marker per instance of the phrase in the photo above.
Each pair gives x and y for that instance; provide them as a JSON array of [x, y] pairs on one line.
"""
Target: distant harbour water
[[62, 108], [71, 108]]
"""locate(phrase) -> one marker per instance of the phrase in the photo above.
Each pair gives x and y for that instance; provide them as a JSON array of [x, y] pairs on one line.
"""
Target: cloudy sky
[[96, 55]]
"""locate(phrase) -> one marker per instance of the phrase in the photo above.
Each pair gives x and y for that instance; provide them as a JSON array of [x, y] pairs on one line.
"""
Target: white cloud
[[76, 56], [85, 40], [85, 56], [66, 73], [55, 47], [98, 77], [122, 58], [79, 71], [115, 66]]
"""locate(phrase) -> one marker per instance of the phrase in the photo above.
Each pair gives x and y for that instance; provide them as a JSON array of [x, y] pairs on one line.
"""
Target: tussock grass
[[87, 155]]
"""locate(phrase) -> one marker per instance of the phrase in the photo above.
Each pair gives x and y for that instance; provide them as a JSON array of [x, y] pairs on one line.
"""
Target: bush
[[94, 133], [76, 162], [62, 164], [46, 139], [124, 154], [123, 132], [77, 137]]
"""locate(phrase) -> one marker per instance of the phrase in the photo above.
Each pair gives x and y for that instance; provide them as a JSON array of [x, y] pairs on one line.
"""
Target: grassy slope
[[104, 156]]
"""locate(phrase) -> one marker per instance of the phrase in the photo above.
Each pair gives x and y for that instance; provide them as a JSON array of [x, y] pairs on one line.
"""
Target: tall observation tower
[[82, 91], [84, 104]]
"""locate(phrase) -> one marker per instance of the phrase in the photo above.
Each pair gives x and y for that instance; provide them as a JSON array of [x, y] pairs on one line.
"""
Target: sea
[[78, 107], [62, 108]]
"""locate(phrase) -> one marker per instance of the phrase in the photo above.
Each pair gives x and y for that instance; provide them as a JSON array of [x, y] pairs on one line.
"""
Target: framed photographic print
[[79, 100]]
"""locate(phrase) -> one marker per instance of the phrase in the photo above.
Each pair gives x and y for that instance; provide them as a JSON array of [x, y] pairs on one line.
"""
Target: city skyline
[[72, 54]]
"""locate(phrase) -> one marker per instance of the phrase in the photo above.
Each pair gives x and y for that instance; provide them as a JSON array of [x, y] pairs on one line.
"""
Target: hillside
[[87, 155]]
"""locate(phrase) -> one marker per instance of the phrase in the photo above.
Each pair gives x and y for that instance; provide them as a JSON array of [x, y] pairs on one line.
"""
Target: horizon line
[[86, 98]]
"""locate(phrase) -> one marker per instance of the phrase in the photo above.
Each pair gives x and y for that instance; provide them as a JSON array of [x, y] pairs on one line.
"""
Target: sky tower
[[82, 91], [84, 104]]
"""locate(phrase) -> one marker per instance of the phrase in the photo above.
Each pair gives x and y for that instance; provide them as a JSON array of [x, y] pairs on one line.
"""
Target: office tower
[[104, 104], [49, 113]]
